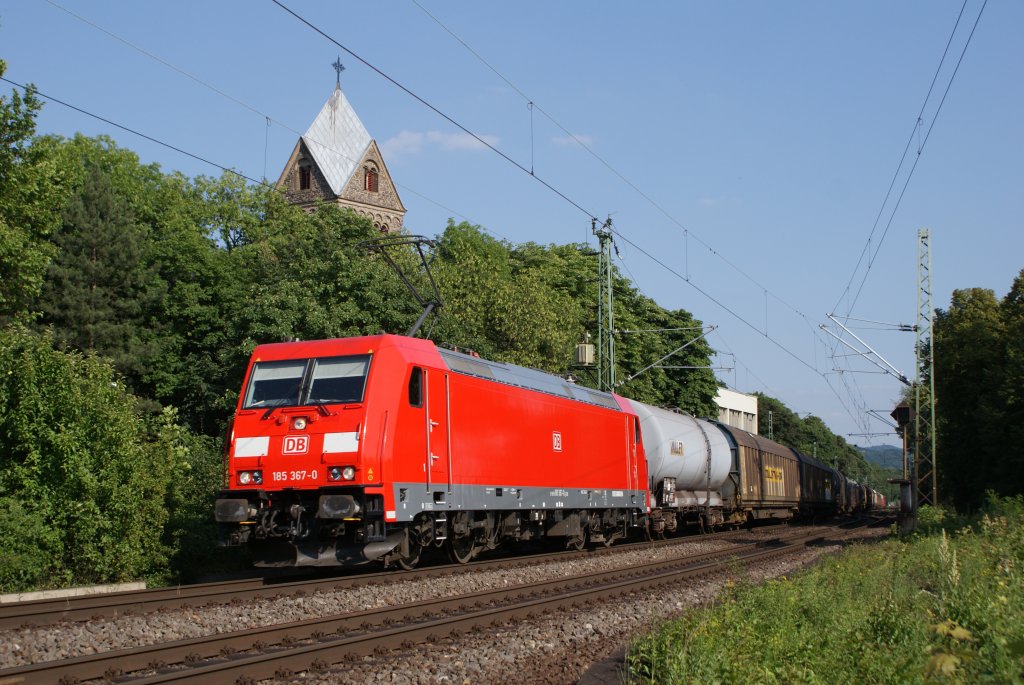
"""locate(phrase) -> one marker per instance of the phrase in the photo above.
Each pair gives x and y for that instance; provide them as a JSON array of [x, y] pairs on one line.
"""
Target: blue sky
[[748, 146]]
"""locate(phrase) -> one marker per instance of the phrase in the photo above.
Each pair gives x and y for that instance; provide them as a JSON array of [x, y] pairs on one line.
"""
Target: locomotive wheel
[[410, 561], [462, 543], [419, 535], [462, 549], [576, 544]]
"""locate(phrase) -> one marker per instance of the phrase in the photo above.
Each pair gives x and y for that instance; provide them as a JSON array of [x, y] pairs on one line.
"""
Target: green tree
[[32, 191], [1011, 389], [979, 371], [100, 294], [189, 534], [190, 321], [969, 366], [473, 274], [530, 304], [80, 476], [290, 275]]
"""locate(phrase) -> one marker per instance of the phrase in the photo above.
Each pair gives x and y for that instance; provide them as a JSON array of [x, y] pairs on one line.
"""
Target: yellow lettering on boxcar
[[775, 479]]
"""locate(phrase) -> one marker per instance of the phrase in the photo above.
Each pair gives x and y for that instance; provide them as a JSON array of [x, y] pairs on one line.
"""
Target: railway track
[[84, 608], [280, 650]]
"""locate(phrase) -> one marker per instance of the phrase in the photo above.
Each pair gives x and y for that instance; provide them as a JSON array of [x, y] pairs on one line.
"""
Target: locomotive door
[[437, 457], [633, 476]]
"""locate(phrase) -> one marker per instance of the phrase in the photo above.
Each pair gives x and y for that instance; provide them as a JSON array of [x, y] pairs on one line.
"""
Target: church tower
[[337, 162]]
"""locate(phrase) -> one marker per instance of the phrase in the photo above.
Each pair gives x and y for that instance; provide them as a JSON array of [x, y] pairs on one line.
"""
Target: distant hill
[[886, 456]]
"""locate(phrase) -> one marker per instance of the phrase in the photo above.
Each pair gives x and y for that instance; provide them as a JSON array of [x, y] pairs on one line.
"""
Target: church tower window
[[305, 178], [370, 180]]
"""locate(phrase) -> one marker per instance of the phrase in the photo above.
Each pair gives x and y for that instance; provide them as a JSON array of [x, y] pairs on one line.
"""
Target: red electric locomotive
[[376, 448]]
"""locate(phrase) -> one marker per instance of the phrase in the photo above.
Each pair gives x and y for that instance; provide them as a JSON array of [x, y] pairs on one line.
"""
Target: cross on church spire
[[338, 67]]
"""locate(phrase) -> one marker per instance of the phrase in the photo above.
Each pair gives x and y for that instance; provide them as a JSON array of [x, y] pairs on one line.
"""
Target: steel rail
[[89, 607], [371, 626]]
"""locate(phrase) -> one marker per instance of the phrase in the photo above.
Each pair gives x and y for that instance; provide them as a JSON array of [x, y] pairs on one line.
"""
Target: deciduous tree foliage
[[83, 480], [500, 306], [979, 370], [32, 191]]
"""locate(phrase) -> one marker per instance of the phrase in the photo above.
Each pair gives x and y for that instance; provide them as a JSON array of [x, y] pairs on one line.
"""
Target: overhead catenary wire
[[434, 109], [253, 180], [170, 146], [33, 89], [915, 130], [740, 318], [737, 362], [867, 251], [381, 73], [269, 119], [548, 185], [924, 142], [533, 105], [872, 255], [823, 375], [809, 322]]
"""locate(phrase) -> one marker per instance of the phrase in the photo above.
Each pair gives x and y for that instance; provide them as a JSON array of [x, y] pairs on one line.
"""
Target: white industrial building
[[737, 409]]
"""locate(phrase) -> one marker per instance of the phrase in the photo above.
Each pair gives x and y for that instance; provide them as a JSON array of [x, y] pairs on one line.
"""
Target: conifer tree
[[99, 291]]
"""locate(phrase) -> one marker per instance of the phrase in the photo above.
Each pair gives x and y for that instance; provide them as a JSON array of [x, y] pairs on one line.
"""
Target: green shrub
[[939, 608], [190, 533], [82, 479]]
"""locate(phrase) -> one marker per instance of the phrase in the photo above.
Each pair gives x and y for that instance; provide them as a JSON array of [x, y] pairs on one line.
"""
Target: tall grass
[[945, 605]]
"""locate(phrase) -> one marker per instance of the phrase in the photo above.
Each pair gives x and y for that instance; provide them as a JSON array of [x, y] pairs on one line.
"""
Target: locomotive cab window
[[275, 383], [416, 387], [296, 382], [338, 380]]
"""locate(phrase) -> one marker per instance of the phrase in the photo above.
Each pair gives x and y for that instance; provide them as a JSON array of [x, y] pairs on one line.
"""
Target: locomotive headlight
[[341, 473], [244, 477], [257, 477], [299, 423]]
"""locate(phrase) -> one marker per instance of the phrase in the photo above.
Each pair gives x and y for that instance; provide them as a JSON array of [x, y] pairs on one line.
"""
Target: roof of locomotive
[[332, 346], [524, 377], [459, 362]]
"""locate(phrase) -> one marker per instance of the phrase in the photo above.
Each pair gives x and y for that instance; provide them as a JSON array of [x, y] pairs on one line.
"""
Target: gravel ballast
[[554, 649]]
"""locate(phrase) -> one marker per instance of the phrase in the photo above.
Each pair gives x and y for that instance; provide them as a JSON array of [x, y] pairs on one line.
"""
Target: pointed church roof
[[337, 140]]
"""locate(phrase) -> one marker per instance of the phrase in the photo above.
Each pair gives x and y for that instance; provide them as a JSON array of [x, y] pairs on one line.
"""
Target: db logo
[[556, 441], [295, 444]]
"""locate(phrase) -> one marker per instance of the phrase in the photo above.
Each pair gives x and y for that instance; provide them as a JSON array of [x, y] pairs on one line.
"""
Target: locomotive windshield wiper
[[293, 392]]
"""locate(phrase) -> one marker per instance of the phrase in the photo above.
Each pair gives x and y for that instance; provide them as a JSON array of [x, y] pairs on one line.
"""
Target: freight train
[[376, 449]]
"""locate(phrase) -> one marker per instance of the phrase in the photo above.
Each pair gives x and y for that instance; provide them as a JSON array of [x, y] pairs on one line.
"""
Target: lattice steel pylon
[[924, 407], [605, 325]]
